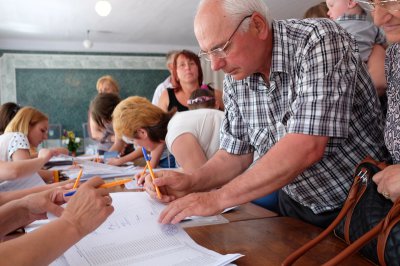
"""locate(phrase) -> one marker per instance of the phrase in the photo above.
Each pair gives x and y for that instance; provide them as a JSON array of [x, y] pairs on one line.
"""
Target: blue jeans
[[269, 202], [163, 163]]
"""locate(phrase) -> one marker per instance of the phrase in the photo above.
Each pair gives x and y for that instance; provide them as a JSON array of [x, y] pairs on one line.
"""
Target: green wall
[[64, 94]]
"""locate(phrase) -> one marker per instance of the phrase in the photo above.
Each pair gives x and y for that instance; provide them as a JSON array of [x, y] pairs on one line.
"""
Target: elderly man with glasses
[[295, 92]]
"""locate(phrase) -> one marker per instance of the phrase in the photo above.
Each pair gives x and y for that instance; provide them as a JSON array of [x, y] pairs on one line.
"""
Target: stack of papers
[[59, 160], [105, 171], [22, 183], [132, 236]]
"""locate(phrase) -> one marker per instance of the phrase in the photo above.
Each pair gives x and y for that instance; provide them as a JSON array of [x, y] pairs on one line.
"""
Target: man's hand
[[172, 185], [200, 204], [388, 181], [89, 207]]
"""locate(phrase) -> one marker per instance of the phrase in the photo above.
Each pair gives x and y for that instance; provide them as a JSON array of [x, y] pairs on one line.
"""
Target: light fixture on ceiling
[[87, 43], [103, 8]]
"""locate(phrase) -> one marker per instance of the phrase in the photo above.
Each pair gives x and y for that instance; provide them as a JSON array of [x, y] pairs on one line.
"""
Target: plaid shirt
[[317, 86]]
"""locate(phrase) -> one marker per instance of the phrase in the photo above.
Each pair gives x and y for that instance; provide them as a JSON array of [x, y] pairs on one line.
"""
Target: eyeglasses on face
[[390, 5], [221, 51]]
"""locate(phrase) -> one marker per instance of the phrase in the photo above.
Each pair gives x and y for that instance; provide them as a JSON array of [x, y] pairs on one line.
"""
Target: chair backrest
[[85, 128], [54, 136], [89, 144], [54, 131]]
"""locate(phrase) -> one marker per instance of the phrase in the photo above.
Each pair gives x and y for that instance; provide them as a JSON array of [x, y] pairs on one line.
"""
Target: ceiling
[[133, 26]]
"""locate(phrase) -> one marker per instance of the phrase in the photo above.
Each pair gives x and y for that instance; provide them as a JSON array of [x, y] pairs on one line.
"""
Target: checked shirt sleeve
[[326, 79]]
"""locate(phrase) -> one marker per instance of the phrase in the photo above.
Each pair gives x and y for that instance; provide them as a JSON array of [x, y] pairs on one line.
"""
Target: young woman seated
[[22, 137]]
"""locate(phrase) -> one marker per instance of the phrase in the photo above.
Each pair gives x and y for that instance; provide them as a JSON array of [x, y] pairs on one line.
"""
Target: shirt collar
[[281, 48]]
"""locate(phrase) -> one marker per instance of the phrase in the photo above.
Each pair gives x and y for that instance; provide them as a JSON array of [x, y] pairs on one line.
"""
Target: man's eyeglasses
[[391, 5], [221, 51]]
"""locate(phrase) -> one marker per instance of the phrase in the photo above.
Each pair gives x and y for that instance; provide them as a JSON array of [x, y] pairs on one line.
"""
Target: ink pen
[[146, 157], [106, 185]]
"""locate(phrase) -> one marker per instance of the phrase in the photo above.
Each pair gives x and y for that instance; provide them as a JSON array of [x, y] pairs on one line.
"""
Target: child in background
[[371, 39]]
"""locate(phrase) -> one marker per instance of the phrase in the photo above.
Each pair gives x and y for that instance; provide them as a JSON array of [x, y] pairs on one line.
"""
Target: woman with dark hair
[[101, 109], [188, 76], [7, 113]]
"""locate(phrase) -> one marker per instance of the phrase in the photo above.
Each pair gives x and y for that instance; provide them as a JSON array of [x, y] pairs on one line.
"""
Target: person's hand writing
[[140, 177], [199, 204], [38, 204], [388, 181], [172, 185], [89, 207]]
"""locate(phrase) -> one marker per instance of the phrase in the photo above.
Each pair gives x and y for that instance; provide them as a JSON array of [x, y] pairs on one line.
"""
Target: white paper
[[91, 169], [132, 236], [22, 183]]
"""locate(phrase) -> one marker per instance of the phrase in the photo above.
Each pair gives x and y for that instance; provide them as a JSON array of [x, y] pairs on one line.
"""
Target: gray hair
[[238, 9]]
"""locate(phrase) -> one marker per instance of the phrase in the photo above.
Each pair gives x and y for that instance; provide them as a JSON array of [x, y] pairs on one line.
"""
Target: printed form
[[132, 236]]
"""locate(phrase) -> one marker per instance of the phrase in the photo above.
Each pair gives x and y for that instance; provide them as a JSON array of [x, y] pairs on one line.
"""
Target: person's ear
[[352, 4], [141, 133], [260, 25]]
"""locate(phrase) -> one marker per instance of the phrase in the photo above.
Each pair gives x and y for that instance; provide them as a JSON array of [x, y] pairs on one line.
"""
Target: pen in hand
[[78, 179], [106, 185], [146, 157]]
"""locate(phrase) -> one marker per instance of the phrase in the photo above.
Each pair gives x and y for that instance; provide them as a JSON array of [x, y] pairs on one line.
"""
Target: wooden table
[[248, 211], [268, 241]]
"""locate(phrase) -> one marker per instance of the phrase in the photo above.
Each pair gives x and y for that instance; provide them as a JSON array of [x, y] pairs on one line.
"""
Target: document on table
[[132, 236], [105, 171], [22, 183]]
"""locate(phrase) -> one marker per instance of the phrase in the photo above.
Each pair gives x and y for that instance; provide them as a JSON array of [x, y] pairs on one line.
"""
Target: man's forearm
[[219, 170], [277, 168]]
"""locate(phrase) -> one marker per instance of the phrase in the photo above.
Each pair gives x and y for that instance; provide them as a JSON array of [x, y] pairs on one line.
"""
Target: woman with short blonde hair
[[192, 136], [107, 84], [136, 115]]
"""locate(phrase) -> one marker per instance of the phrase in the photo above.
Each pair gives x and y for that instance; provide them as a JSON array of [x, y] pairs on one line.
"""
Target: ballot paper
[[91, 169], [22, 183], [132, 236]]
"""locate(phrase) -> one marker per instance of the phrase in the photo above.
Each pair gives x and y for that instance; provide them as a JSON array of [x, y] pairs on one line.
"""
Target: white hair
[[236, 10]]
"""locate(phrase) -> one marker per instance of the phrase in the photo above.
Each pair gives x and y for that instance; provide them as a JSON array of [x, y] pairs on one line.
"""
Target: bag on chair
[[367, 222]]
